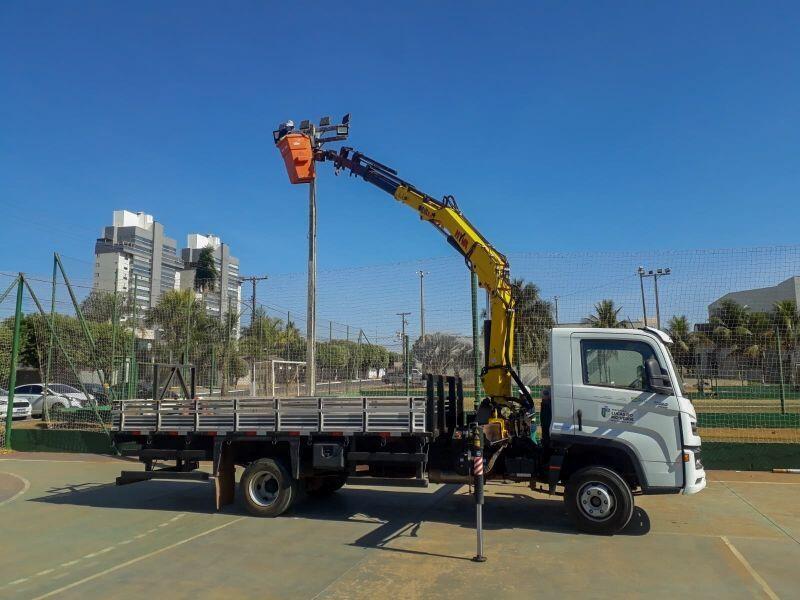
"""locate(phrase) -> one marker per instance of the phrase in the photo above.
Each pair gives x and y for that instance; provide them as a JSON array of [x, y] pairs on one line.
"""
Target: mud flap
[[224, 474]]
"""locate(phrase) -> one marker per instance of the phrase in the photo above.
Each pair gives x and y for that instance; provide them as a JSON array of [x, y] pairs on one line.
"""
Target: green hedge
[[749, 420]]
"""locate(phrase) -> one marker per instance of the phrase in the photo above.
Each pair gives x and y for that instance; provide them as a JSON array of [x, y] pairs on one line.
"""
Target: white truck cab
[[618, 392]]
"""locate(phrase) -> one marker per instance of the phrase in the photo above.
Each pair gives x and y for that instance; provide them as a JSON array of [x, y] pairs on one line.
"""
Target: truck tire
[[324, 486], [268, 488], [598, 500]]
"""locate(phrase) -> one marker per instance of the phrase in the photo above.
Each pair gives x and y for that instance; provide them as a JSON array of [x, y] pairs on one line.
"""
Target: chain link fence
[[731, 313]]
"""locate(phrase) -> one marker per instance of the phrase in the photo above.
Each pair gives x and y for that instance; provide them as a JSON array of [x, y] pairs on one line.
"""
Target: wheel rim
[[596, 501], [264, 489]]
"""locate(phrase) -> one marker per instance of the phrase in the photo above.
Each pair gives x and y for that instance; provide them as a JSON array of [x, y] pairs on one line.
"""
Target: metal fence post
[[780, 370], [12, 375], [45, 408]]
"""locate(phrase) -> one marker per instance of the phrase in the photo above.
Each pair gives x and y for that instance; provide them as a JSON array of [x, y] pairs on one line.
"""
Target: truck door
[[614, 406]]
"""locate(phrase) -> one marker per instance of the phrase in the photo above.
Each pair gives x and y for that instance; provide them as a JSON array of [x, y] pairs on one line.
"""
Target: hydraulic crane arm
[[490, 266]]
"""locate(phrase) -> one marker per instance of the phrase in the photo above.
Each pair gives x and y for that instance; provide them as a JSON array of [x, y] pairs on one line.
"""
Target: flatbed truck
[[614, 421]]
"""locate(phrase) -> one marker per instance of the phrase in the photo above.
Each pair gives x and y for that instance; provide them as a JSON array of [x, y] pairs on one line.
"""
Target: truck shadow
[[395, 512]]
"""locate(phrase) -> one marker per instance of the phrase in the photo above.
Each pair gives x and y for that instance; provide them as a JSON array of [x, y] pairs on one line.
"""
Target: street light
[[655, 274]]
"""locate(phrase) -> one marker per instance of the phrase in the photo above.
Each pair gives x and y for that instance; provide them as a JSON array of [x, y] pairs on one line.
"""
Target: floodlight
[[324, 121]]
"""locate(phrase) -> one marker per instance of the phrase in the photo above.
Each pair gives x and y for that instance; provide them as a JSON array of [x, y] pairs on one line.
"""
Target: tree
[[6, 337], [205, 277], [533, 322], [685, 341], [261, 339], [731, 333], [99, 306], [606, 314], [69, 334], [333, 358], [440, 352], [181, 323]]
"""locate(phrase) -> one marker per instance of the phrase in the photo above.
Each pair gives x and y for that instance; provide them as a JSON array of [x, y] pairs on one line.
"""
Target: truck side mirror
[[657, 381]]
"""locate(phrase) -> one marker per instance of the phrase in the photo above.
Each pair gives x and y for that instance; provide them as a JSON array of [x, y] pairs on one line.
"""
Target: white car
[[58, 396], [21, 409]]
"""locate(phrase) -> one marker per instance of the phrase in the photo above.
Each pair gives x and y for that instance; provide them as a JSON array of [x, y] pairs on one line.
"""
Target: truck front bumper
[[694, 471]]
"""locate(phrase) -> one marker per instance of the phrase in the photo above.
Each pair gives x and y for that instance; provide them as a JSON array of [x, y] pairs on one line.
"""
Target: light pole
[[555, 304], [655, 274], [641, 271], [421, 304], [318, 135]]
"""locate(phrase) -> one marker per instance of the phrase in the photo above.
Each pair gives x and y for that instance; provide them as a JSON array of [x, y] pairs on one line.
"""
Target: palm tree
[[729, 327], [532, 323], [684, 341], [205, 277], [606, 314], [744, 335]]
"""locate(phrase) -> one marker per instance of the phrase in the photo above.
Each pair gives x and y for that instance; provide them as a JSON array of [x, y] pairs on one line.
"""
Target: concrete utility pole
[[253, 279], [311, 306], [319, 135], [404, 342], [421, 304]]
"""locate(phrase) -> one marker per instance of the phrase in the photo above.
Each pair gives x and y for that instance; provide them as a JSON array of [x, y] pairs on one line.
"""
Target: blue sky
[[596, 126]]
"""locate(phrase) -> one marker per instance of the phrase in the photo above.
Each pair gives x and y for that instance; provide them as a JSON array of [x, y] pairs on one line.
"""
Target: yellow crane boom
[[490, 266]]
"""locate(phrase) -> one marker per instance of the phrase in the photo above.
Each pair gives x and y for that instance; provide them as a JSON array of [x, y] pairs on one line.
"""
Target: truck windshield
[[681, 387]]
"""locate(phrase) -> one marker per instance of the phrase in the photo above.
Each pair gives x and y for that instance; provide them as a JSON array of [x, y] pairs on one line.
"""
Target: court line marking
[[87, 556], [777, 536], [753, 573], [764, 516], [135, 560], [26, 485]]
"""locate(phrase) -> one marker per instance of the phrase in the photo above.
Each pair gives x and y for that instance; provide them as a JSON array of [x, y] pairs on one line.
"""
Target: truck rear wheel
[[324, 486], [598, 500], [268, 488]]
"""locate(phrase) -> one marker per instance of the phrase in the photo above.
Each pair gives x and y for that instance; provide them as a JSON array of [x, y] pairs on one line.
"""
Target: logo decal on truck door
[[616, 414]]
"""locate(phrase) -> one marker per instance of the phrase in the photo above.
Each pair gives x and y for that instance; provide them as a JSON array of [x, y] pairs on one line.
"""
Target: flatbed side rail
[[385, 414]]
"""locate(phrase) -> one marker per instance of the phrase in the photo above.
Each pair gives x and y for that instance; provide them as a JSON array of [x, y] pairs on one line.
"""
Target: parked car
[[57, 396], [98, 391], [415, 376], [20, 410]]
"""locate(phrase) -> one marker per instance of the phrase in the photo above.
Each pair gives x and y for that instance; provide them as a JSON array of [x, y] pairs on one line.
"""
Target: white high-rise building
[[135, 249], [228, 290]]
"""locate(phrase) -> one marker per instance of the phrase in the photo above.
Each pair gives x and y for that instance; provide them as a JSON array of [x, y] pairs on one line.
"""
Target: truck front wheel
[[598, 500], [268, 488]]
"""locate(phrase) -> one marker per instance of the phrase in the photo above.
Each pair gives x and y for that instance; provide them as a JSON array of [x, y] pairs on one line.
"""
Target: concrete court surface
[[69, 532]]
